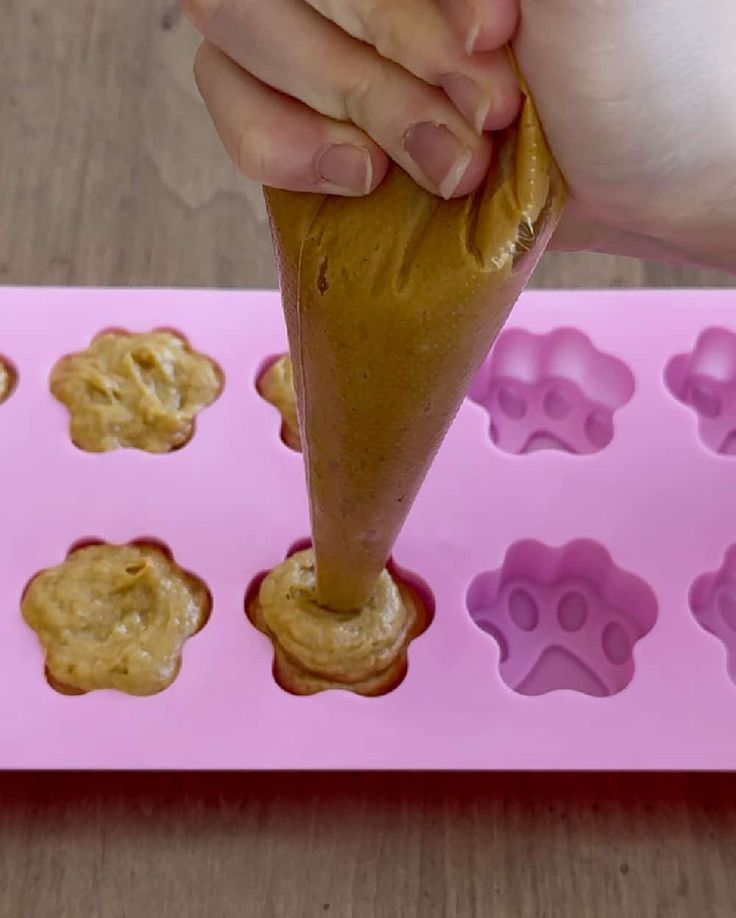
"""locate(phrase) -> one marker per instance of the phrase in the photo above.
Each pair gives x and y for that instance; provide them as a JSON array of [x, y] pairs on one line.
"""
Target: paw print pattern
[[713, 604], [554, 391], [705, 380], [564, 618]]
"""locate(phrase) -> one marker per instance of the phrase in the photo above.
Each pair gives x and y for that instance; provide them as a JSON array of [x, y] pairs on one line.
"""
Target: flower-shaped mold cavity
[[564, 618], [275, 384], [553, 391], [8, 379], [115, 617], [317, 649], [713, 604], [136, 391], [705, 380]]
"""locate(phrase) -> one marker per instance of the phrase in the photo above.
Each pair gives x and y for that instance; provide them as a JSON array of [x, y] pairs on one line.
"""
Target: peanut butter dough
[[7, 380], [392, 301], [276, 386], [316, 648], [141, 391], [115, 617]]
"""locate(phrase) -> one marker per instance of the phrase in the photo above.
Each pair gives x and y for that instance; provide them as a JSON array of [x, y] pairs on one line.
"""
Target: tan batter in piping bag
[[392, 301]]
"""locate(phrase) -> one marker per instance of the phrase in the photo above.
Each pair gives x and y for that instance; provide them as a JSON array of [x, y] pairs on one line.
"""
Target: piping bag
[[392, 301]]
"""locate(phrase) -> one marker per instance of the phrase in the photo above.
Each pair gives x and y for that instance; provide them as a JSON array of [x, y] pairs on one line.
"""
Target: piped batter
[[140, 391], [7, 380], [276, 386], [364, 651], [115, 617]]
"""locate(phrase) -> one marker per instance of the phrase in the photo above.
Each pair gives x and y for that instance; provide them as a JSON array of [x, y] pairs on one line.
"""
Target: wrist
[[706, 236], [694, 214], [700, 233]]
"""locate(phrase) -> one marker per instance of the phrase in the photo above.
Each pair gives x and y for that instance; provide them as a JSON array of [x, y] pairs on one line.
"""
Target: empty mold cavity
[[115, 616], [713, 604], [8, 379], [295, 679], [553, 391], [135, 390], [275, 385], [705, 380], [563, 618]]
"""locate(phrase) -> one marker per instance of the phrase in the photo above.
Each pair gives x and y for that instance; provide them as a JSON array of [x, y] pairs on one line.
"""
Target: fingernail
[[442, 158], [346, 167], [472, 17], [468, 96]]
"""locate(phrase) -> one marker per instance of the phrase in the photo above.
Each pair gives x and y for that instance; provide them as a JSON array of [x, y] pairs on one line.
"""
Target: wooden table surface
[[111, 174]]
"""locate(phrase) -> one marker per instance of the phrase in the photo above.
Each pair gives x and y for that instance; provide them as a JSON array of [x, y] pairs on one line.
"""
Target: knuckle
[[359, 93], [382, 27]]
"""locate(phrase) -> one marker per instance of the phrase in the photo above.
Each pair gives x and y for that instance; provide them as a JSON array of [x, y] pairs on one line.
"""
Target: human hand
[[638, 101], [638, 105], [316, 95]]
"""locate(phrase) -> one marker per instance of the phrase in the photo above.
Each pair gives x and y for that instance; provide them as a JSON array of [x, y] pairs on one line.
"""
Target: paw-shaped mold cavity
[[275, 384], [563, 618], [317, 649], [553, 391], [8, 379], [135, 391], [115, 617], [713, 604], [705, 381]]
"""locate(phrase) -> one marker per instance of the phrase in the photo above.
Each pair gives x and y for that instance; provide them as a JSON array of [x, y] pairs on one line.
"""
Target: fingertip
[[380, 161], [482, 25], [200, 12], [491, 98], [505, 108], [476, 171], [498, 23], [350, 169], [200, 63]]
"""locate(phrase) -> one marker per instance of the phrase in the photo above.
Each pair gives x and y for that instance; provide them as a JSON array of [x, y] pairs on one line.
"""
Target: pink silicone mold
[[555, 391], [582, 569], [713, 603], [705, 380], [564, 618]]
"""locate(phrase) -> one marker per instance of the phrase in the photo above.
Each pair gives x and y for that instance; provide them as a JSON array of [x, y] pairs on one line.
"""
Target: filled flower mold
[[115, 617], [139, 390], [577, 565], [380, 645], [8, 379], [275, 385]]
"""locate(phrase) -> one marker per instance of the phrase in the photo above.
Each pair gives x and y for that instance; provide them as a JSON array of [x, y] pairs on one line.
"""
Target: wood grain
[[111, 174]]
